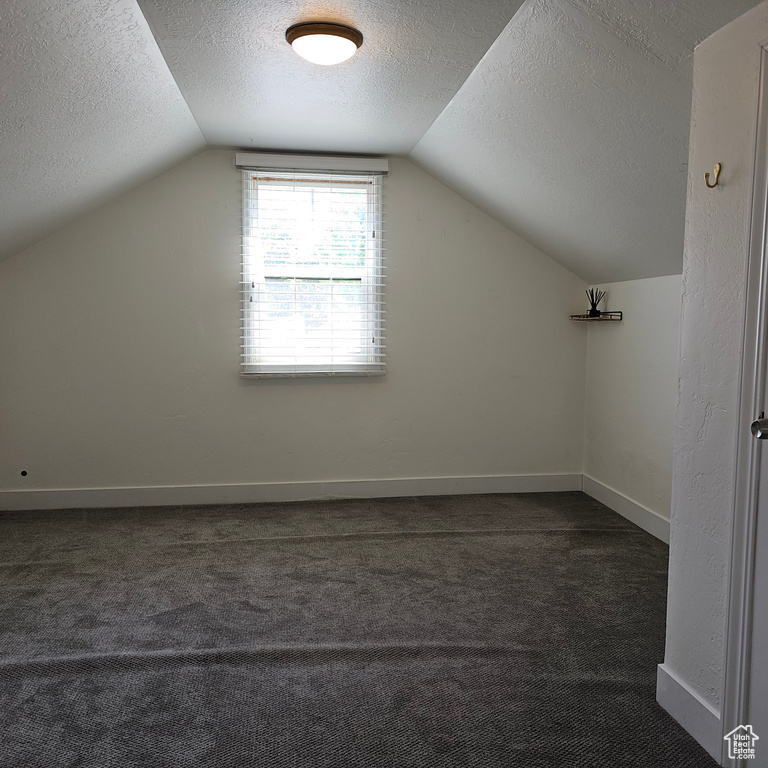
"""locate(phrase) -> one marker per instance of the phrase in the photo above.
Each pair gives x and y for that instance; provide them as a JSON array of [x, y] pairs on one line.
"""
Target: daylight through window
[[313, 274]]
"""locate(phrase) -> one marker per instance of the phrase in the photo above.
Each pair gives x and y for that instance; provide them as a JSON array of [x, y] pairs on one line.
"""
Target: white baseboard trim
[[697, 716], [82, 498], [645, 518]]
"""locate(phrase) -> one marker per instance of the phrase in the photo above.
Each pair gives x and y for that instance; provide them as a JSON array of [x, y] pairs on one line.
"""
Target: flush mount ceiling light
[[322, 42]]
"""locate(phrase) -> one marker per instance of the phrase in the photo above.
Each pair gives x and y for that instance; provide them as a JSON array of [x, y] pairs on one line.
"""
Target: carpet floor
[[449, 632]]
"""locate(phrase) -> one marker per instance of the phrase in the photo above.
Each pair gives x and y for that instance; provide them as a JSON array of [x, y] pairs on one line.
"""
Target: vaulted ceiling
[[565, 119]]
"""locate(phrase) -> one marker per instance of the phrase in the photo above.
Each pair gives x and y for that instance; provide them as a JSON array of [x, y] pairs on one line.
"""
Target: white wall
[[631, 395], [119, 342], [725, 96]]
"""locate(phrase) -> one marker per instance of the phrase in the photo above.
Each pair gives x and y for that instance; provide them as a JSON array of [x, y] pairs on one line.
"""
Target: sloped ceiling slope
[[247, 88], [88, 108], [573, 130], [567, 120]]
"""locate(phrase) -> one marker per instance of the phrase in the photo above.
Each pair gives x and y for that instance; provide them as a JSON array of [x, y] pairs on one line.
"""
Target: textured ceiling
[[88, 108], [573, 130], [247, 87], [567, 120]]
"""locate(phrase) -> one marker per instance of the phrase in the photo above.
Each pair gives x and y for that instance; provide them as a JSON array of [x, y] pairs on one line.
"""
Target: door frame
[[741, 567]]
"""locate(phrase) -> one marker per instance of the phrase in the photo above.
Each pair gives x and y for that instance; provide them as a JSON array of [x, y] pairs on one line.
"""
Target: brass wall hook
[[717, 176]]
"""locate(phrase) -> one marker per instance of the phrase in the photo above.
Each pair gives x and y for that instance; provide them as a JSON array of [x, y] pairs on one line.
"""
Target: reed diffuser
[[595, 297]]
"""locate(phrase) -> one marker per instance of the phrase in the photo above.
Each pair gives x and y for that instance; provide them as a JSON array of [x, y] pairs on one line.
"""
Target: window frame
[[255, 275]]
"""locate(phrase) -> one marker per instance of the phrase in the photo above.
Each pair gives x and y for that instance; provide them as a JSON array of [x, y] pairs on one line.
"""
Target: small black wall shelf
[[603, 317]]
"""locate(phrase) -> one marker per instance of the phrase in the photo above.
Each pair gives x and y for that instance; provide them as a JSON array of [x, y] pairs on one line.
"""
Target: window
[[312, 272]]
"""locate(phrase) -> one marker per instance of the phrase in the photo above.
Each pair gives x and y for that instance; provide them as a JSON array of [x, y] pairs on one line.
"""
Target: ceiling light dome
[[324, 43]]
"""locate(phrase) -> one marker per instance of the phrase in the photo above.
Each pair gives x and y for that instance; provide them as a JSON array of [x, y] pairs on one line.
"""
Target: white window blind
[[312, 274]]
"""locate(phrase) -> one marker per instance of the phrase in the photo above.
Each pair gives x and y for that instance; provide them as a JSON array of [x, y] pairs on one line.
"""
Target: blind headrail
[[265, 161]]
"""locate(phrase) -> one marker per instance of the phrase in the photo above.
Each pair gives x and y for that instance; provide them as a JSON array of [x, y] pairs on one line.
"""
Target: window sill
[[311, 374]]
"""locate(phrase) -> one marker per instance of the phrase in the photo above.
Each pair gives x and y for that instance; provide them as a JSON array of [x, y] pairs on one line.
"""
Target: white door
[[745, 699], [757, 699], [746, 664], [757, 693]]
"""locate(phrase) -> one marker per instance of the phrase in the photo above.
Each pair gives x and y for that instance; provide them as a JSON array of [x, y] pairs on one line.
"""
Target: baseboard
[[81, 498], [645, 518], [698, 717]]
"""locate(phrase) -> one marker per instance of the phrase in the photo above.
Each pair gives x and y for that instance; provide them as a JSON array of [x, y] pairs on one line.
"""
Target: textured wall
[[726, 71], [631, 392], [119, 341]]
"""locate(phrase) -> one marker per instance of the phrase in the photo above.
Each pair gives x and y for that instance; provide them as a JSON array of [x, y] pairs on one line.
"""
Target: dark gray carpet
[[506, 630]]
